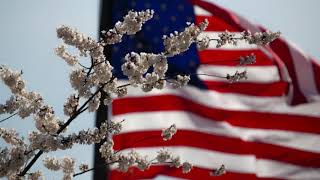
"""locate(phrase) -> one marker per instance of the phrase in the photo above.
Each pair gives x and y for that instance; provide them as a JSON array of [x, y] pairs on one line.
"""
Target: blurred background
[[28, 37]]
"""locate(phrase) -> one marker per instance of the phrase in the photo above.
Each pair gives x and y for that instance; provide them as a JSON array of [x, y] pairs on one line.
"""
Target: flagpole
[[105, 21]]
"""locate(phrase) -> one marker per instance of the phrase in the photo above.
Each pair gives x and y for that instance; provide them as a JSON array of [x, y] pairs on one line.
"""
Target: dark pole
[[102, 113]]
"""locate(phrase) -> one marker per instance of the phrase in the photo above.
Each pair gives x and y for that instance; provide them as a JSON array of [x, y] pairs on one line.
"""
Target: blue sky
[[27, 40]]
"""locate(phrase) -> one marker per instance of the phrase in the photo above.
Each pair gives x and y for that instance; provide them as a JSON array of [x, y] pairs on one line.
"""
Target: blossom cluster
[[220, 171], [137, 66], [124, 161], [106, 150], [180, 81], [65, 55], [177, 43], [237, 76], [74, 38], [98, 73], [11, 160], [83, 167], [46, 121], [22, 101], [246, 60], [37, 175], [132, 23], [71, 105], [258, 38], [49, 142], [226, 38], [10, 136], [169, 132], [27, 103], [67, 165], [203, 43], [164, 156]]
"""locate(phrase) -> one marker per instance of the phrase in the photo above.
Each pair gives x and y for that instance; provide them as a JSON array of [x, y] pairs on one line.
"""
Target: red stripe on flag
[[316, 71], [215, 24], [281, 49], [218, 143], [231, 57], [253, 89], [220, 13], [196, 174], [248, 119]]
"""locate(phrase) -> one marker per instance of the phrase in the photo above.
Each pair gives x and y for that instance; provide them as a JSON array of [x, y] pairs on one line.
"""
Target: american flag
[[266, 127]]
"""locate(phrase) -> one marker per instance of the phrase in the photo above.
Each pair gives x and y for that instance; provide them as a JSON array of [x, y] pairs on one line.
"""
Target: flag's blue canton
[[170, 16]]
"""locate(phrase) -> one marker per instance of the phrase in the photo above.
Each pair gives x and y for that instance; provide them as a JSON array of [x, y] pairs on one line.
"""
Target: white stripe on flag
[[305, 73], [187, 121], [200, 11], [235, 163], [230, 101], [162, 177]]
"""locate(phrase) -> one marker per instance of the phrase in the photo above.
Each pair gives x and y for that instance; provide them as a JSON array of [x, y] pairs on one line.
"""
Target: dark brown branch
[[85, 67], [124, 85], [34, 159]]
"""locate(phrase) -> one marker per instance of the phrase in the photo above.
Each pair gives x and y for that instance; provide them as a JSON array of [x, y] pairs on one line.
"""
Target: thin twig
[[94, 168], [79, 173], [8, 117], [124, 85], [83, 110], [85, 67], [203, 74], [168, 162], [234, 38], [88, 73]]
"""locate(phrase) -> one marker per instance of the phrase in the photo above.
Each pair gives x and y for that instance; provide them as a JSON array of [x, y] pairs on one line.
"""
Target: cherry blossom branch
[[78, 112], [258, 38]]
